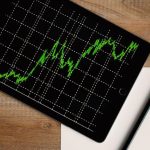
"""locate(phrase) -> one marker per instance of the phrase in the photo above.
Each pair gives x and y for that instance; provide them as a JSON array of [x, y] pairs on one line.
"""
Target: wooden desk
[[23, 128]]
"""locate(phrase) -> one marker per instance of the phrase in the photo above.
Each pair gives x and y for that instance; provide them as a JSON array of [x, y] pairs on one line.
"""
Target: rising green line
[[57, 53]]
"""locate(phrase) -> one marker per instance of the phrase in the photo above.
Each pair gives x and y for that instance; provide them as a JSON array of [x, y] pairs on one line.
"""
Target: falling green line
[[57, 53]]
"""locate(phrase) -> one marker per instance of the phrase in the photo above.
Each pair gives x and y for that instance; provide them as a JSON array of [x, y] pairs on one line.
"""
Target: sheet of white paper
[[72, 140]]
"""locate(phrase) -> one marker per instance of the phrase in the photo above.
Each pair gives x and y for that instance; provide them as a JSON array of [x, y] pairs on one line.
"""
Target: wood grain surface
[[24, 128]]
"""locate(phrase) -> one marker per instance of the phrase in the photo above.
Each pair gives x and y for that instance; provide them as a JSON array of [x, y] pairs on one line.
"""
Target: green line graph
[[56, 53]]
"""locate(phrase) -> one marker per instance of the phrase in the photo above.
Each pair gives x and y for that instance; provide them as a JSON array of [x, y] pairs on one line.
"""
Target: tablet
[[68, 63]]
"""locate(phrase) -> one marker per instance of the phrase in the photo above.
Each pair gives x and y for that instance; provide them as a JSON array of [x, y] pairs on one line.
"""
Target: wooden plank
[[24, 128]]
